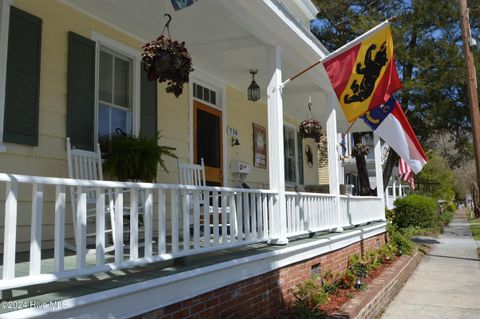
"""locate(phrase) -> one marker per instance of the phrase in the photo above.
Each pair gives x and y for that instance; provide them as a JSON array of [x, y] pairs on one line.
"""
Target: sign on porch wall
[[181, 4], [259, 146]]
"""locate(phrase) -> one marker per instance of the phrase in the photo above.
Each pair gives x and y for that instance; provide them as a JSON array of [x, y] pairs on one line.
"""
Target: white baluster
[[186, 220], [161, 222], [148, 222], [36, 230], [206, 218], [100, 227], [196, 219], [118, 225], [174, 209], [81, 240], [134, 224], [59, 239], [215, 218], [10, 230]]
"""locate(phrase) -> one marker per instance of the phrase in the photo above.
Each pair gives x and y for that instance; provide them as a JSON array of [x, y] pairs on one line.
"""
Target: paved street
[[446, 284]]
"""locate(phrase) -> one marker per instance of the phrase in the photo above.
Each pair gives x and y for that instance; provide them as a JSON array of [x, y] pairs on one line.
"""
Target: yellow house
[[72, 68]]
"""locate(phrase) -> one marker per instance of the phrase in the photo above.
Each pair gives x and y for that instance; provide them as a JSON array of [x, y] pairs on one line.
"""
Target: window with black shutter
[[22, 91]]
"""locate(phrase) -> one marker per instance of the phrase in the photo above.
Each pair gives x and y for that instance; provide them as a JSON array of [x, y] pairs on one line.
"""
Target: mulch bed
[[335, 301]]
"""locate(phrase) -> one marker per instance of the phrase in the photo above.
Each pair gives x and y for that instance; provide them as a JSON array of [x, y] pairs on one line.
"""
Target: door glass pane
[[122, 82], [105, 77], [208, 138]]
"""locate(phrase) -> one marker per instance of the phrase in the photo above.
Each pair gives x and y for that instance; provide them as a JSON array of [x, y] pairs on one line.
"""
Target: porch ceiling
[[227, 39]]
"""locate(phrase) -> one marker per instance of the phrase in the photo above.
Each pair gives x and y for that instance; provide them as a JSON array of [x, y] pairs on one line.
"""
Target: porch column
[[394, 191], [276, 164], [379, 171], [333, 161]]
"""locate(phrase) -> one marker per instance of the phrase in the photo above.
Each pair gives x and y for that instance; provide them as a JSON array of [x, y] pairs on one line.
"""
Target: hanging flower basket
[[311, 128], [168, 61]]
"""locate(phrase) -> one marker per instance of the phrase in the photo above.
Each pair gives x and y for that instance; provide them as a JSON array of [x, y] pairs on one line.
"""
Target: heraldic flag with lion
[[365, 75]]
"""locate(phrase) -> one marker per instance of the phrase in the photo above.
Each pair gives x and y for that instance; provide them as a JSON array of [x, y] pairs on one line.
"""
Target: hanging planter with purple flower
[[167, 60], [311, 128]]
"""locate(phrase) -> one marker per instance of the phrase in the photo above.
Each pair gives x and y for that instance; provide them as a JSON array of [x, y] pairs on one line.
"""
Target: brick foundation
[[264, 296]]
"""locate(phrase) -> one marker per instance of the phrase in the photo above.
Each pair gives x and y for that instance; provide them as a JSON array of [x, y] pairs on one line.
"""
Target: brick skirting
[[264, 296]]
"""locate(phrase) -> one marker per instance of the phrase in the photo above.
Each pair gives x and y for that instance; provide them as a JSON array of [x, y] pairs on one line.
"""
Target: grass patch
[[475, 227]]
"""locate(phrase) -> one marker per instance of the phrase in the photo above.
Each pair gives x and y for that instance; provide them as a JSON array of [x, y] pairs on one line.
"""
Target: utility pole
[[471, 83]]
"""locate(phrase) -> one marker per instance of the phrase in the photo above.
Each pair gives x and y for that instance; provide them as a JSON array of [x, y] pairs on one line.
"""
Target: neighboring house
[[71, 68], [395, 189]]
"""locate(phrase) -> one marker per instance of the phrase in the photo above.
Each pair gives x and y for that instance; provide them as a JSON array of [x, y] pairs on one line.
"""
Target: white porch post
[[333, 164], [394, 191], [276, 170], [379, 171]]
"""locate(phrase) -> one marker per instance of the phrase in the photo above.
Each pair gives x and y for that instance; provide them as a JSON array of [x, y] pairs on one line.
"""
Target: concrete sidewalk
[[446, 284]]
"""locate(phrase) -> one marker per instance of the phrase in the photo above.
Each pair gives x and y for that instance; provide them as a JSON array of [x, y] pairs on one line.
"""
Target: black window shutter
[[81, 91], [148, 106], [22, 90], [300, 159]]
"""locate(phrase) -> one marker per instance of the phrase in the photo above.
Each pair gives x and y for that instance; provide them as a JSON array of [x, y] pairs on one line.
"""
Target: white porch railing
[[178, 220], [311, 212]]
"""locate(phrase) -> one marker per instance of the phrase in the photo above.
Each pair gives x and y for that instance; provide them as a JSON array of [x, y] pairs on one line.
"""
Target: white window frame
[[130, 53], [4, 29], [295, 146]]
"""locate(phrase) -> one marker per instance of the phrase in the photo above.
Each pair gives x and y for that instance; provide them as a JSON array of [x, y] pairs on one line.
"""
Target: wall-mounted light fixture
[[235, 141], [253, 93]]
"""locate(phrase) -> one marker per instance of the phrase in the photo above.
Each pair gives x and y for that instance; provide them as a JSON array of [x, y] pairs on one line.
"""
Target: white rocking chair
[[88, 165]]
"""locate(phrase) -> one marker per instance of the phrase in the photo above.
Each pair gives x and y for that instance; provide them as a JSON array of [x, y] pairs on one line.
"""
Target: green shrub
[[451, 207], [329, 283], [309, 294], [358, 266], [347, 281], [401, 243], [387, 253], [415, 210], [446, 217]]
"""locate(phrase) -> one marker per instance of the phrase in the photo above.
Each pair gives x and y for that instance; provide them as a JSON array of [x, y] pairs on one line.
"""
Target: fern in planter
[[132, 158]]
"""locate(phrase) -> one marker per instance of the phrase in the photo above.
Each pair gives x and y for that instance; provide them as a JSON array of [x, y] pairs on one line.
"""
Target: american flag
[[405, 173]]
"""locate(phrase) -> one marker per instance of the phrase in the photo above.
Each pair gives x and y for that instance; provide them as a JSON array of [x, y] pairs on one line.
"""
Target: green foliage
[[415, 210], [436, 179], [451, 207], [446, 217], [430, 61], [309, 294], [475, 227], [358, 265], [400, 242], [347, 281], [135, 158]]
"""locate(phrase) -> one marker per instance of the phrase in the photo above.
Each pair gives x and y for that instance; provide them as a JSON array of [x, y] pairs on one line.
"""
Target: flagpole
[[342, 49], [351, 124]]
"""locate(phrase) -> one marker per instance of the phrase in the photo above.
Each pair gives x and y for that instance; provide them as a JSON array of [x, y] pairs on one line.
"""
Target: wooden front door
[[208, 142]]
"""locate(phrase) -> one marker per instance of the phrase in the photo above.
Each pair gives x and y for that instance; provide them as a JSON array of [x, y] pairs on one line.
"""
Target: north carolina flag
[[391, 124], [365, 75]]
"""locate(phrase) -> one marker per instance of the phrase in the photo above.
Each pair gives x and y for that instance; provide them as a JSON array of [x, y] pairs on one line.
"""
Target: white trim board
[[142, 297]]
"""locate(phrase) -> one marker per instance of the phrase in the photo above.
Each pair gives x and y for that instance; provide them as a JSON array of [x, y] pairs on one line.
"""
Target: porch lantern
[[253, 90]]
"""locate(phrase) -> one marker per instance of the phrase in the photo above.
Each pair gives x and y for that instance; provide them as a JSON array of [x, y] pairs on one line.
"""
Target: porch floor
[[63, 289]]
